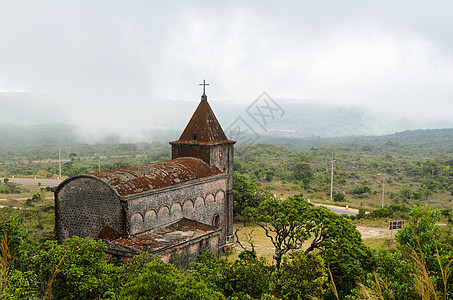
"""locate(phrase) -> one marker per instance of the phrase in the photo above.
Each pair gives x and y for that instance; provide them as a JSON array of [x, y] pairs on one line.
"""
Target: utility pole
[[59, 161], [383, 185], [331, 180], [99, 162]]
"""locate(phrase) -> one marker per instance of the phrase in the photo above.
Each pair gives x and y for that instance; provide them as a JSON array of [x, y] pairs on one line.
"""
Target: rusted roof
[[144, 178], [203, 127], [179, 232]]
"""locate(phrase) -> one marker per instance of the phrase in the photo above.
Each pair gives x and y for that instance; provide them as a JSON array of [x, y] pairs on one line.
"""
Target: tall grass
[[376, 290], [423, 283], [333, 287], [52, 278], [4, 259]]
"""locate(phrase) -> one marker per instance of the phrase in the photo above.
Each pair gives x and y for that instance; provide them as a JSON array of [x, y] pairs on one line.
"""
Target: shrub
[[159, 280], [362, 189], [301, 276], [339, 197], [243, 278], [79, 267]]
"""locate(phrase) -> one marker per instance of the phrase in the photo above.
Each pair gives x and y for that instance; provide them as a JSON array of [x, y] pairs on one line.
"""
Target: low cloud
[[109, 65]]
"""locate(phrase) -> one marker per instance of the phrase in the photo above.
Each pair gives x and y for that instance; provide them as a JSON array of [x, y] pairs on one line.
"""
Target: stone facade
[[201, 201], [84, 206], [136, 209]]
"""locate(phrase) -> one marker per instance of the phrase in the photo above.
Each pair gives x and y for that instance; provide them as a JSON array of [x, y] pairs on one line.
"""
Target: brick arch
[[209, 200], [199, 203], [137, 216], [220, 195], [163, 212], [163, 216], [188, 206], [136, 222], [176, 211], [150, 217], [216, 221]]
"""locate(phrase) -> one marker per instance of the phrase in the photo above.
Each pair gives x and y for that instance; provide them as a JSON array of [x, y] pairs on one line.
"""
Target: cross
[[204, 84]]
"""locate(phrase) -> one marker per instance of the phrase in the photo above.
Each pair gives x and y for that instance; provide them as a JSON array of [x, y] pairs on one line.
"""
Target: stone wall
[[181, 257], [84, 206], [201, 201]]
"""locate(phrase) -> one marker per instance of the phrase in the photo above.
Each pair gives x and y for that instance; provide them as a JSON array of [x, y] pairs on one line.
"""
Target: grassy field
[[375, 234], [19, 200]]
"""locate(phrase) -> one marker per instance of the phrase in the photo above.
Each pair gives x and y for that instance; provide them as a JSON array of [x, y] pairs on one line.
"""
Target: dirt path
[[374, 232]]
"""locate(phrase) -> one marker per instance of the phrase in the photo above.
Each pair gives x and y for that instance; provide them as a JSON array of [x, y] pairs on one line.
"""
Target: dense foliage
[[318, 254], [336, 262]]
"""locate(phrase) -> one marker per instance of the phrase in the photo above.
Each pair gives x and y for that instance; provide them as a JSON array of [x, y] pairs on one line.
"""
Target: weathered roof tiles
[[144, 178], [203, 128]]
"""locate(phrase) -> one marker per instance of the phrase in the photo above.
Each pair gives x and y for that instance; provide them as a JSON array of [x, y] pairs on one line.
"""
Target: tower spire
[[204, 97]]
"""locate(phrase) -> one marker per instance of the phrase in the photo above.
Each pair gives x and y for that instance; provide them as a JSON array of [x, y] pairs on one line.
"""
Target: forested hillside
[[314, 252], [417, 165]]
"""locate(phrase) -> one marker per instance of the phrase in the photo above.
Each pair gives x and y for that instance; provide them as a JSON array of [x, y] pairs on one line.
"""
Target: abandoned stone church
[[180, 206]]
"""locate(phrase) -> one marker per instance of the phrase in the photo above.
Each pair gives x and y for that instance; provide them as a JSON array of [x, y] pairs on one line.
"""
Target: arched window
[[216, 221]]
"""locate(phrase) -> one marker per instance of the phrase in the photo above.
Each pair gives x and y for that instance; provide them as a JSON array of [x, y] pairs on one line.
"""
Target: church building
[[173, 209]]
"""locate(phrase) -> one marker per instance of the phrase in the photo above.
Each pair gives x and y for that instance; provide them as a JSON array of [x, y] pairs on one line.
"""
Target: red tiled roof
[[203, 127], [179, 232], [143, 178]]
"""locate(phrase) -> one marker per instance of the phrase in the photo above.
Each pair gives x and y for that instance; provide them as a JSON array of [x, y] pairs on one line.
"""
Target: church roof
[[203, 127], [164, 239], [144, 178]]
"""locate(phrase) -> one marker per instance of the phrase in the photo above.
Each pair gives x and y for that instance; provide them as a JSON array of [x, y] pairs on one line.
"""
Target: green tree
[[289, 223], [422, 237], [245, 278], [247, 194], [339, 197], [79, 266], [19, 243], [285, 223], [362, 189], [396, 272], [301, 276], [302, 171], [340, 244], [159, 280], [422, 230]]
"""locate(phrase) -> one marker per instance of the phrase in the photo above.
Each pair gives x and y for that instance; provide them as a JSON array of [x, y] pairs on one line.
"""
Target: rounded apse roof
[[144, 178]]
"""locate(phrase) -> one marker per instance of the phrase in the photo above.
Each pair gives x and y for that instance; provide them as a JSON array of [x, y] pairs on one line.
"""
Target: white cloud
[[114, 57]]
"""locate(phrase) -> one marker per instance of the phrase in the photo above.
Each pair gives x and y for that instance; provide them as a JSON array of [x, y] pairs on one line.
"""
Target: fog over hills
[[27, 118], [131, 72]]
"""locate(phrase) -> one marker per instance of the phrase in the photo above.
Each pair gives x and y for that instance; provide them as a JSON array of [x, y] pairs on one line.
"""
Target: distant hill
[[27, 118], [67, 134], [440, 139]]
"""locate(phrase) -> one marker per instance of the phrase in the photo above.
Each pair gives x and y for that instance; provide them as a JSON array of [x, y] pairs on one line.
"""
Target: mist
[[115, 67]]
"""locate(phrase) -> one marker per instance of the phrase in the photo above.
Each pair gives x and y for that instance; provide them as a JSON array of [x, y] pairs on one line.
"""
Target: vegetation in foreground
[[317, 254], [336, 265]]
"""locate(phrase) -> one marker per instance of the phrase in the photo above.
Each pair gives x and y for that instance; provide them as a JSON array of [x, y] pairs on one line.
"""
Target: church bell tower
[[205, 139]]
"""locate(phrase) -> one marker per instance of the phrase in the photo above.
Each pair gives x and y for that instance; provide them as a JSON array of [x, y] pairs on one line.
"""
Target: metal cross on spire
[[204, 97]]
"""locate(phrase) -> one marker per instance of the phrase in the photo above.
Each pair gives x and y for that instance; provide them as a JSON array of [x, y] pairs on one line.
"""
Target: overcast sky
[[395, 57]]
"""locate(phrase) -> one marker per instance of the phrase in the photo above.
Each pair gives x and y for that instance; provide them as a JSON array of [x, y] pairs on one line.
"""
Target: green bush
[[159, 280], [19, 243], [361, 189], [79, 264], [381, 213], [301, 276], [21, 285], [339, 197], [243, 278]]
